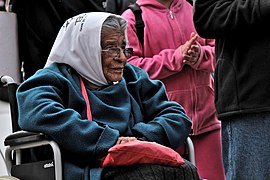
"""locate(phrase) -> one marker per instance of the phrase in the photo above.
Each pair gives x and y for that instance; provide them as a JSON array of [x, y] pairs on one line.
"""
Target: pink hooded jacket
[[165, 31]]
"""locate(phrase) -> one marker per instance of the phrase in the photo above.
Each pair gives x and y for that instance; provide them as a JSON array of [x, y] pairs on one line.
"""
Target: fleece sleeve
[[220, 18], [46, 104], [164, 121]]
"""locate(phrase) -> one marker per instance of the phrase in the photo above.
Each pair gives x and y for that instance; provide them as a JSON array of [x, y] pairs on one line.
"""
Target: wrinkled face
[[113, 61]]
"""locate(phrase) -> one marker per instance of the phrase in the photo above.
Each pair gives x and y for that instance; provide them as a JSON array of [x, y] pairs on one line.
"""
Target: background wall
[[5, 129]]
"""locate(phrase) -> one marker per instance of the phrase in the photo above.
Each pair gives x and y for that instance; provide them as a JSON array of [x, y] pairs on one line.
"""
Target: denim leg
[[226, 136], [246, 147]]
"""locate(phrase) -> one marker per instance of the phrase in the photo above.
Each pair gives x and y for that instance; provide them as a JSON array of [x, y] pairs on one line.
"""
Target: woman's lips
[[118, 70]]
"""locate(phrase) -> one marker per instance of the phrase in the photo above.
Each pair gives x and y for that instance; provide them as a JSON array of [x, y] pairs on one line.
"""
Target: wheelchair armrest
[[22, 137], [191, 152], [23, 140]]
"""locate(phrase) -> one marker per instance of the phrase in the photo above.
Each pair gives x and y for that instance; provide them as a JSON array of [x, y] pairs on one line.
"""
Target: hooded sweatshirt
[[165, 31]]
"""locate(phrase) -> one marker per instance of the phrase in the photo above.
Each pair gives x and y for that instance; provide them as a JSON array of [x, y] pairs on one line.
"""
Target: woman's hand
[[122, 140], [191, 50]]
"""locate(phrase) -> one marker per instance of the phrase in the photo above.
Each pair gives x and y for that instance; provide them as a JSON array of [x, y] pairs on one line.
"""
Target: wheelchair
[[20, 141]]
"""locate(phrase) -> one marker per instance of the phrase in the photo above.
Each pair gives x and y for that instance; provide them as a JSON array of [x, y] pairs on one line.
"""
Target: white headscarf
[[78, 44]]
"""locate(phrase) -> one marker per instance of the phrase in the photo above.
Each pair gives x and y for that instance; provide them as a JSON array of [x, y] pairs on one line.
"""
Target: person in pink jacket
[[174, 53]]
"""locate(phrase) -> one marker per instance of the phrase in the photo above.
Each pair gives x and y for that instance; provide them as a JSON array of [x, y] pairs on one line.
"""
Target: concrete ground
[[5, 129]]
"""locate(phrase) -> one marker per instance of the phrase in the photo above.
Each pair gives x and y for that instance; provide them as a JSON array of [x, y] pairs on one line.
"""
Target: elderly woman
[[88, 98]]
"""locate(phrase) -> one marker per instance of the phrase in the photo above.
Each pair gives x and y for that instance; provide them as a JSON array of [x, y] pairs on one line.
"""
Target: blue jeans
[[246, 146]]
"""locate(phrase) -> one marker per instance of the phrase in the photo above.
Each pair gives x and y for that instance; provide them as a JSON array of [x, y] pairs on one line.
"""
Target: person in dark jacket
[[88, 98], [242, 87]]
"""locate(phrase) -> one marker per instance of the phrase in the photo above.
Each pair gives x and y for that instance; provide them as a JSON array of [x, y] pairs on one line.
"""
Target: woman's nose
[[121, 57]]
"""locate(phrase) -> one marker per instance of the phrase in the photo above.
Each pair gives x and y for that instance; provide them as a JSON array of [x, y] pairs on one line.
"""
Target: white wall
[[5, 129]]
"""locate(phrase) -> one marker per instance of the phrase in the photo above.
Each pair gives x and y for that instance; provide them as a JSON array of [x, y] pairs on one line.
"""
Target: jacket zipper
[[171, 14]]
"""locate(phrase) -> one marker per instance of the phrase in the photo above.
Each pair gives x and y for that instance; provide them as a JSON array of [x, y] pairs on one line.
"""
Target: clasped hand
[[191, 50]]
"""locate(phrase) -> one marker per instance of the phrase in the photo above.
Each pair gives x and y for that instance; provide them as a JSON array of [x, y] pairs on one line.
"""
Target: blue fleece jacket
[[51, 102]]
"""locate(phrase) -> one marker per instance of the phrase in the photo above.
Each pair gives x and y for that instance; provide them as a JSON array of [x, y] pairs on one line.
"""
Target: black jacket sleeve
[[220, 18]]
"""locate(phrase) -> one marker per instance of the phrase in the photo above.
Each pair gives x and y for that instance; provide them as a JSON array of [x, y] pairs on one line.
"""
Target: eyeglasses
[[116, 51]]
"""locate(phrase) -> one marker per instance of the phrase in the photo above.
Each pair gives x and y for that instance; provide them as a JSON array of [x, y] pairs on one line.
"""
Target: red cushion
[[141, 152]]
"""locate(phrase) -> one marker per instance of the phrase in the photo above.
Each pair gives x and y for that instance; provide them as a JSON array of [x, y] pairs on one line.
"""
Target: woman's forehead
[[113, 37], [112, 32]]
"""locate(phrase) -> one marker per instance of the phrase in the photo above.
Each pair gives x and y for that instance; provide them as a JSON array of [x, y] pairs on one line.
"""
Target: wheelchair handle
[[5, 80]]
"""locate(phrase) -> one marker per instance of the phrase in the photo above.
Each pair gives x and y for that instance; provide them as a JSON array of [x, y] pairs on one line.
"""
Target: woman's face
[[113, 63]]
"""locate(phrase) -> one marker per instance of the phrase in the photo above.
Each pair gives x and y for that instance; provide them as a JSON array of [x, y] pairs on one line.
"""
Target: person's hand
[[122, 140], [191, 50]]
